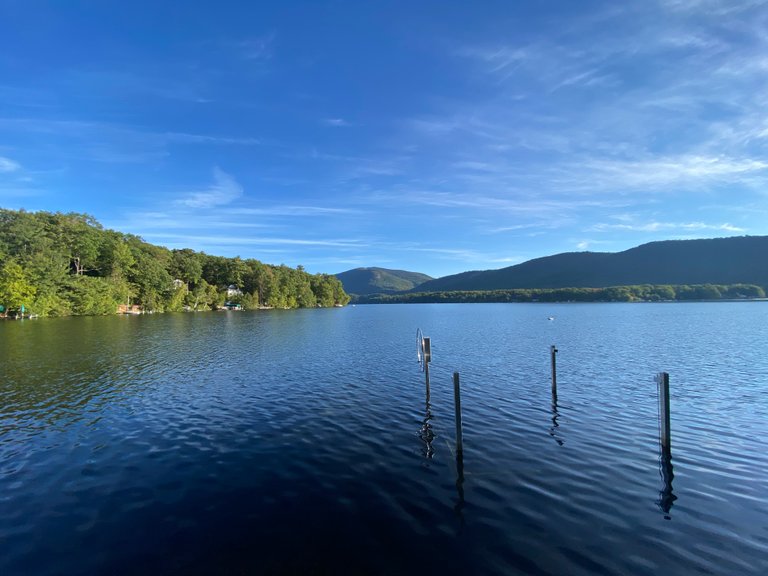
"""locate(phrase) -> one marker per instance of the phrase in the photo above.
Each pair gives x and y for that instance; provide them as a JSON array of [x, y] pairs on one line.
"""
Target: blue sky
[[437, 137]]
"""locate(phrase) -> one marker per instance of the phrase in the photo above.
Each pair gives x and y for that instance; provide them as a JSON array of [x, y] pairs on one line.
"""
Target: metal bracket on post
[[424, 354]]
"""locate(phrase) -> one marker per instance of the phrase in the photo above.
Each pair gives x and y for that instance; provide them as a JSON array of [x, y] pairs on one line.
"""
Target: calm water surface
[[302, 442]]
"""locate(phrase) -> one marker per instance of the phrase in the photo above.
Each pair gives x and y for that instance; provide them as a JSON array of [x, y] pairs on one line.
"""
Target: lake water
[[301, 442]]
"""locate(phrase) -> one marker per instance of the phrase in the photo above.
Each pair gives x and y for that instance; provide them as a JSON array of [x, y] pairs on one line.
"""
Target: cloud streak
[[7, 165], [335, 122], [669, 226], [224, 190]]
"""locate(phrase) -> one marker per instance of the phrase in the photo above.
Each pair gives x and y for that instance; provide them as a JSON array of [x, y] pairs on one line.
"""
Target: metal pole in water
[[553, 354], [457, 406], [662, 380]]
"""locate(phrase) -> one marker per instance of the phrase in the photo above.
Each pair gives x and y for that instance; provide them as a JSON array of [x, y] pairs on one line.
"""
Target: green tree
[[90, 296], [153, 284], [215, 270], [323, 290], [15, 289], [80, 236], [177, 298], [119, 260], [186, 265]]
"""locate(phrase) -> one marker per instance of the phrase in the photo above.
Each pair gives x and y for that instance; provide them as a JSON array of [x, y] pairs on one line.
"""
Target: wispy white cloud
[[500, 59], [108, 143], [661, 172], [514, 228], [585, 78], [669, 226], [587, 244], [8, 165], [219, 240], [508, 260], [712, 7], [292, 210], [259, 48], [222, 191], [529, 204], [335, 122], [208, 139]]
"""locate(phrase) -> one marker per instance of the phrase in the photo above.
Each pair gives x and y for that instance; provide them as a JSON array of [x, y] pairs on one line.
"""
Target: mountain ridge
[[732, 260]]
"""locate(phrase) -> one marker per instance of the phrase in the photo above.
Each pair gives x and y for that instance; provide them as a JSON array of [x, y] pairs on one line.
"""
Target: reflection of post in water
[[459, 508], [426, 434], [553, 429], [666, 496], [424, 355]]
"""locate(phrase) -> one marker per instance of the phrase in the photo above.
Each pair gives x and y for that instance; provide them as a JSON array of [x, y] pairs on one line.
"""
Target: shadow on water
[[666, 496], [553, 430]]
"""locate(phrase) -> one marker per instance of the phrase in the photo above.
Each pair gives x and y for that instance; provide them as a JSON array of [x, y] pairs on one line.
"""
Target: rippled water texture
[[302, 442]]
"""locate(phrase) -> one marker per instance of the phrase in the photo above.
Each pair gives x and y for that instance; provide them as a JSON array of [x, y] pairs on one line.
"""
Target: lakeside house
[[233, 290], [129, 309]]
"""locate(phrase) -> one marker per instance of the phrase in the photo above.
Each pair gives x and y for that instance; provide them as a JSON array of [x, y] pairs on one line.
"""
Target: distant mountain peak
[[375, 280]]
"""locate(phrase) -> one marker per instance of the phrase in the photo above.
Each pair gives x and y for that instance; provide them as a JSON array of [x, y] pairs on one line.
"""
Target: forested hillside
[[639, 293], [722, 261], [364, 281], [57, 264]]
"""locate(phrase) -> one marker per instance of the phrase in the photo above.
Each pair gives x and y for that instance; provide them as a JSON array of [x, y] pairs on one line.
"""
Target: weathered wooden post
[[426, 343], [553, 354], [457, 407], [662, 381]]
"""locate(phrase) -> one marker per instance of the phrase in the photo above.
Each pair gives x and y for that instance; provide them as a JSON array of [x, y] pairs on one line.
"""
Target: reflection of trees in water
[[53, 369]]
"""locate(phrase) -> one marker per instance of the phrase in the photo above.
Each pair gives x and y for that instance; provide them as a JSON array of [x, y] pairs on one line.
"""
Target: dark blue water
[[301, 442]]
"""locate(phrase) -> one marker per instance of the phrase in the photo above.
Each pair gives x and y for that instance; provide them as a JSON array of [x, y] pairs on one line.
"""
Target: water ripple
[[303, 442]]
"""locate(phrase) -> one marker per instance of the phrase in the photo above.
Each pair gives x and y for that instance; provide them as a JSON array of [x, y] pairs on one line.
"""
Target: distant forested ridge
[[364, 281], [640, 293], [719, 261], [56, 264]]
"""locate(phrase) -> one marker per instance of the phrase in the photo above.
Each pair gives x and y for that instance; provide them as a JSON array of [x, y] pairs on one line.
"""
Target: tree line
[[638, 293], [55, 264]]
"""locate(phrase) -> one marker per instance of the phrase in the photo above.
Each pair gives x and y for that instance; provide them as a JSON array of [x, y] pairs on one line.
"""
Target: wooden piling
[[457, 407], [553, 355], [662, 380]]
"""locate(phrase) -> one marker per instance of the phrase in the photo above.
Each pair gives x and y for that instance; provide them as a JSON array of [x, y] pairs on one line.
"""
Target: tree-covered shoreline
[[639, 293], [54, 264]]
